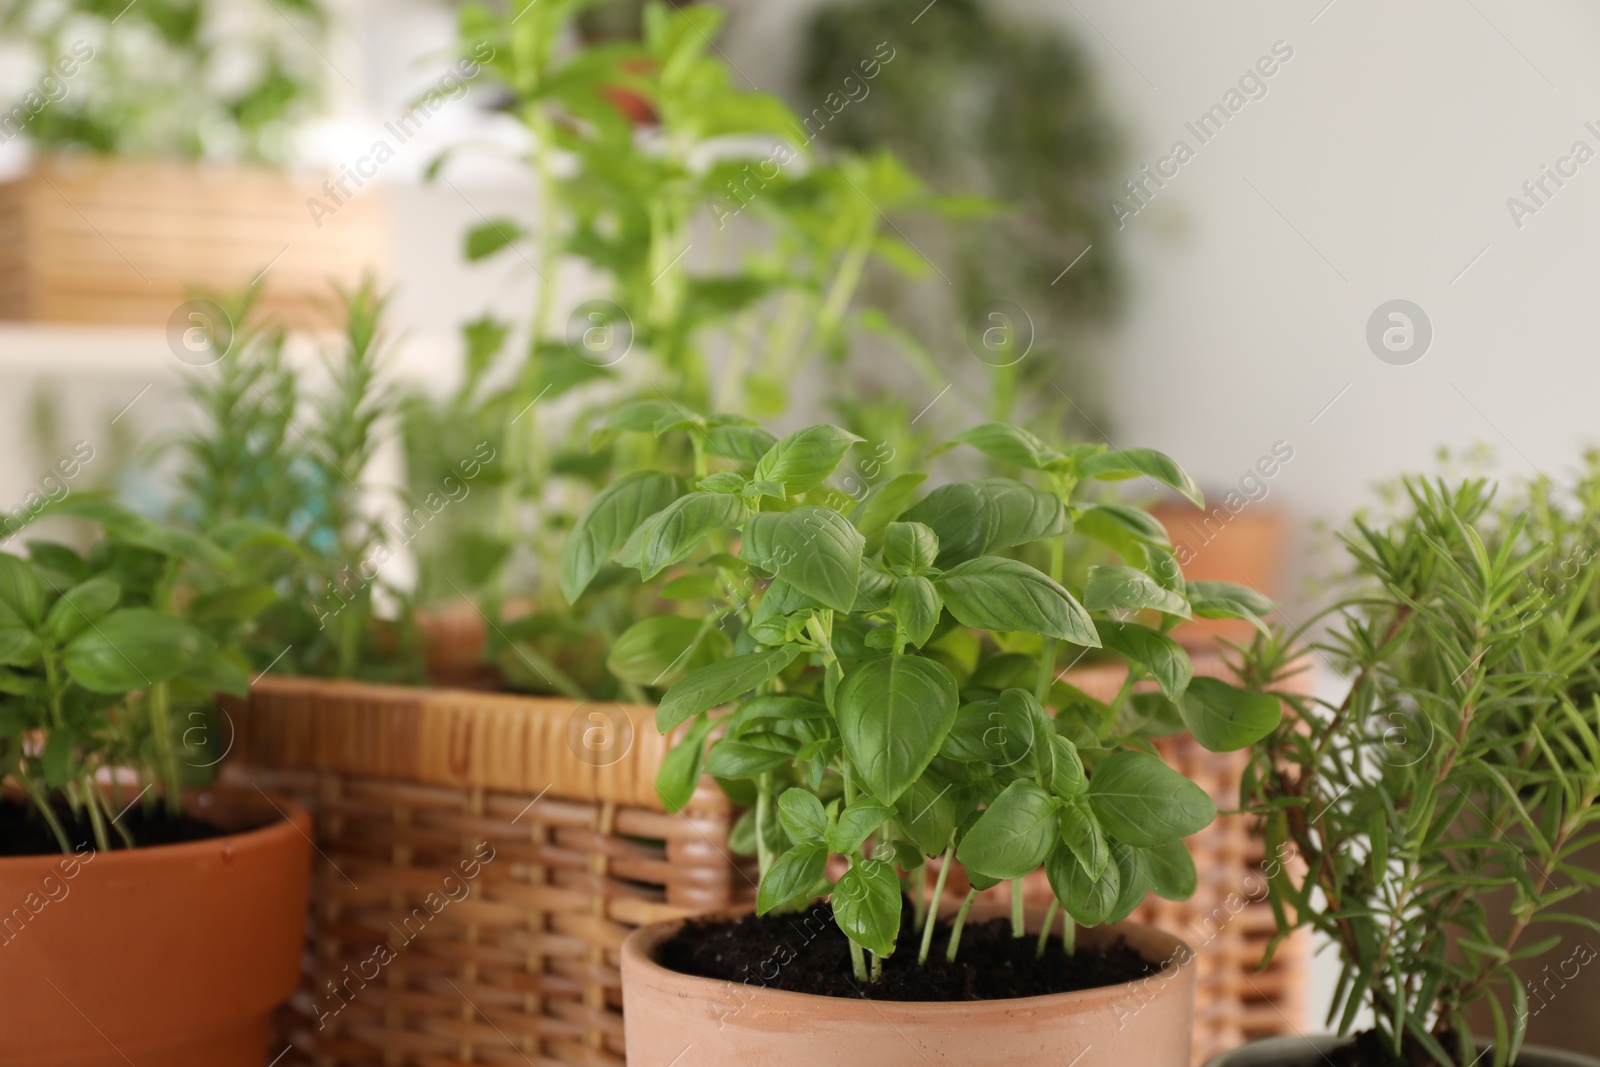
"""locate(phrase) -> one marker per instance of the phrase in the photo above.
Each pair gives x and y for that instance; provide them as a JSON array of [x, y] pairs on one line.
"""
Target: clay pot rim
[[638, 956], [1322, 1043], [285, 816]]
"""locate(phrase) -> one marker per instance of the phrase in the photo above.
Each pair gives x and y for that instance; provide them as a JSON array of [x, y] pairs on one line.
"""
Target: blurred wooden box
[[108, 241]]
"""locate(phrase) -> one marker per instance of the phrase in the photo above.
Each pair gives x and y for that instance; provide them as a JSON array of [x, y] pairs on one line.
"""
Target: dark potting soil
[[807, 953], [23, 832]]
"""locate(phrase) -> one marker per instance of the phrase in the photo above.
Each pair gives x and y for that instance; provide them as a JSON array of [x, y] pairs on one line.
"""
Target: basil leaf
[[1224, 718], [791, 876], [1067, 779], [995, 593], [18, 648], [1140, 800], [605, 525], [1157, 653], [681, 766], [972, 518], [1089, 899], [1013, 835], [1226, 600], [1123, 587], [884, 504], [741, 444], [916, 607], [856, 823], [719, 683], [804, 459], [750, 755], [1135, 884], [1084, 839], [679, 528], [1170, 871], [132, 649], [1121, 463], [814, 549], [1008, 444], [866, 905], [660, 650], [894, 712], [910, 548], [802, 817], [926, 813], [20, 589]]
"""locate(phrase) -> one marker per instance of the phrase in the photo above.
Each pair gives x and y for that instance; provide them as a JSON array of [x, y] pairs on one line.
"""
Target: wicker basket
[[110, 241], [412, 786]]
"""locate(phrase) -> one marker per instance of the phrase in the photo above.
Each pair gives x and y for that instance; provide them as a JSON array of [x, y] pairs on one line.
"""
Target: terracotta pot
[[1308, 1051], [171, 956], [704, 1022], [1248, 547]]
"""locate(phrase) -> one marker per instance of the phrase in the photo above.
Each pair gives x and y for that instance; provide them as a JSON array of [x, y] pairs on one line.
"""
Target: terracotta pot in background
[[1249, 547], [1309, 1051], [170, 956], [705, 1022]]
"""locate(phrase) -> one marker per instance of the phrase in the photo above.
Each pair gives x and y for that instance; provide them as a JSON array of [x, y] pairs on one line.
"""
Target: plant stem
[[1018, 924], [41, 802], [933, 905], [1047, 654], [877, 967], [858, 962], [763, 813], [955, 928], [102, 838], [1069, 934], [1044, 931], [158, 701]]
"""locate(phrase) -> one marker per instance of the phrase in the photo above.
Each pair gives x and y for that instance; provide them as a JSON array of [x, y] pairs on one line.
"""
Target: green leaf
[[132, 649], [916, 605], [1089, 899], [1002, 595], [608, 521], [18, 648], [1067, 778], [1008, 444], [219, 673], [804, 459], [681, 766], [750, 755], [866, 905], [740, 444], [1014, 834], [20, 589], [1084, 839], [814, 549], [1226, 600], [1225, 718], [1129, 865], [690, 587], [1170, 871], [80, 607], [1109, 523], [682, 525], [972, 518], [802, 817], [894, 712], [910, 548], [1113, 587], [1121, 463], [719, 683], [58, 758], [926, 813], [884, 504], [1159, 654], [856, 823], [659, 651], [238, 603], [791, 876], [485, 240], [1139, 799]]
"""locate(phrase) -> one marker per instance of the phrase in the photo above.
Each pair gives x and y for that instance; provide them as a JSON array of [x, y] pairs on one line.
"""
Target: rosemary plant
[[1464, 760]]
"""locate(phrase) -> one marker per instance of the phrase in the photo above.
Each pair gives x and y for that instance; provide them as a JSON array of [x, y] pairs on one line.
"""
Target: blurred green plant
[[187, 79], [643, 151], [1461, 768], [261, 453], [1007, 108], [108, 657]]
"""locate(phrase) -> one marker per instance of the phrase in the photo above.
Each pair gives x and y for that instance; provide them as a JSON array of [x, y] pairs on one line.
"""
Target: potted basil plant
[[140, 921], [1438, 809], [888, 659]]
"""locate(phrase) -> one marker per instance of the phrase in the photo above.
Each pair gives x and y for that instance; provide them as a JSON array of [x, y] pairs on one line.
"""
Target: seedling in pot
[[893, 678]]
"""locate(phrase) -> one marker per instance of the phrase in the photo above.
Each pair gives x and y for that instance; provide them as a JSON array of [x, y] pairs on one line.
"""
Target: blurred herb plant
[[641, 149], [262, 453], [890, 668], [186, 79], [107, 660], [1464, 760]]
